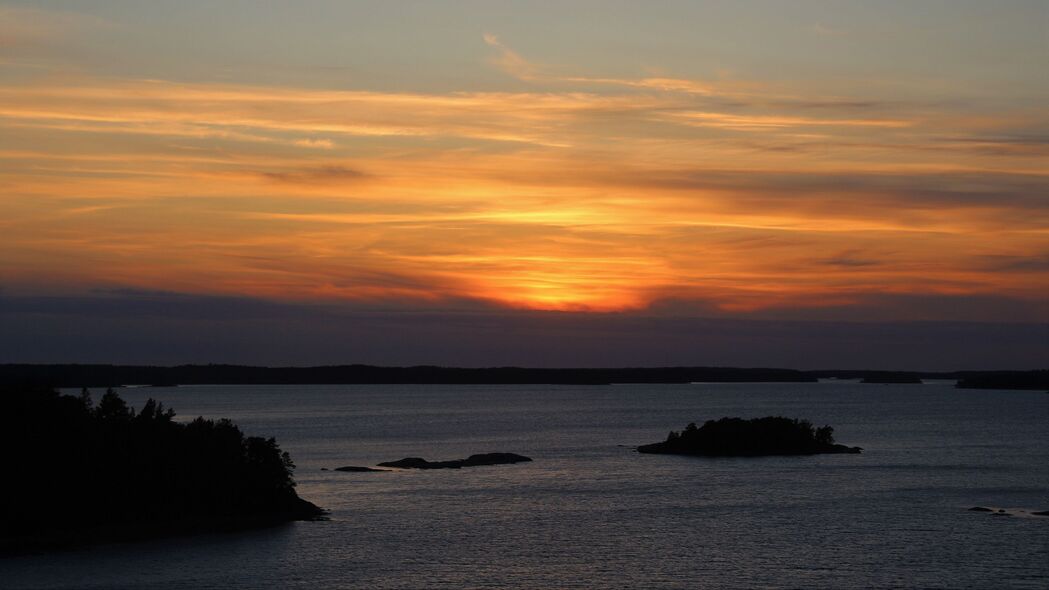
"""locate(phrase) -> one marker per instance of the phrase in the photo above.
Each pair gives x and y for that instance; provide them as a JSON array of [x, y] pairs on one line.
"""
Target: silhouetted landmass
[[893, 377], [887, 377], [117, 375], [78, 473], [1006, 380], [357, 469], [1010, 512], [1036, 379], [471, 461], [736, 437], [75, 375]]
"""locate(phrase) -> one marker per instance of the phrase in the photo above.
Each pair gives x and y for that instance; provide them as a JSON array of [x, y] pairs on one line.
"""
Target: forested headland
[[79, 472]]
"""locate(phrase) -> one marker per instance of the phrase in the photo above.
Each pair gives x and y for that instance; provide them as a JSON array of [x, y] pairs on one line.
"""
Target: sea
[[591, 512]]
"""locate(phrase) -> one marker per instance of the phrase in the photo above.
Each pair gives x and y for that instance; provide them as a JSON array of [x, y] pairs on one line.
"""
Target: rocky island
[[471, 461], [79, 473], [736, 437]]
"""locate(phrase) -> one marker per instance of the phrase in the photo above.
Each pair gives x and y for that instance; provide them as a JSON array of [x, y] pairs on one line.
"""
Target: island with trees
[[756, 437], [80, 473]]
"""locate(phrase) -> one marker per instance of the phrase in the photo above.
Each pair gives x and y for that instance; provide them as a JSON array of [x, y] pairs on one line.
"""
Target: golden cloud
[[630, 192]]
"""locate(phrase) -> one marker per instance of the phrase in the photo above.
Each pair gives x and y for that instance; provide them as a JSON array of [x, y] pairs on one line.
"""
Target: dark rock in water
[[736, 437], [356, 469], [494, 459], [980, 509], [420, 463], [1042, 513], [471, 461]]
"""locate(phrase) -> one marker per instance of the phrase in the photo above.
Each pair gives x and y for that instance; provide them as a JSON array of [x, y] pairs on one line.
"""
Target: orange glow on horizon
[[583, 194]]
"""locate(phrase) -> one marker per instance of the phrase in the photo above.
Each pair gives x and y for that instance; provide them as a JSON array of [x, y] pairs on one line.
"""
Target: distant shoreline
[[102, 375]]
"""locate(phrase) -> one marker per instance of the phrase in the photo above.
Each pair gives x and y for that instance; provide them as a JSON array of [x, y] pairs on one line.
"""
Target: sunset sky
[[808, 184]]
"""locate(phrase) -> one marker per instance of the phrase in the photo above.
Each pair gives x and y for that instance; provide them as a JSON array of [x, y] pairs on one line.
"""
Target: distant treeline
[[115, 375], [1037, 379], [76, 472], [76, 375], [1006, 380]]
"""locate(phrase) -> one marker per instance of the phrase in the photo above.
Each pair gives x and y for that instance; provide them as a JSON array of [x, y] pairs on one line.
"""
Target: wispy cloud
[[581, 193], [324, 144], [321, 174], [517, 66], [509, 61], [765, 123]]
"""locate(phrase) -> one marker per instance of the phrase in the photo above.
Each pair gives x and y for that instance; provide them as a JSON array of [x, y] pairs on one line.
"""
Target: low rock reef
[[1012, 512], [757, 437], [471, 461]]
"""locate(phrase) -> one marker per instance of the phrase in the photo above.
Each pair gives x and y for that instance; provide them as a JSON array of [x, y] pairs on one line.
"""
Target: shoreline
[[73, 539]]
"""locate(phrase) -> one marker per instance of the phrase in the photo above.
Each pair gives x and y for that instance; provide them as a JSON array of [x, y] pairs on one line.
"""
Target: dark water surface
[[589, 513]]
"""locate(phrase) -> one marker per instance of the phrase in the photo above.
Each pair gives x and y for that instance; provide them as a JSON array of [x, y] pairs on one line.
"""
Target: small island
[[79, 473], [471, 461], [736, 437]]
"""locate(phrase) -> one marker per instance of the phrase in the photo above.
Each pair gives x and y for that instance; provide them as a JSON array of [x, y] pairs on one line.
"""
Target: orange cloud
[[636, 192]]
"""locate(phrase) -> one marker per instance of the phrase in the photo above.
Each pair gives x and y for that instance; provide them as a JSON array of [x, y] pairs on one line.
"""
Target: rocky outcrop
[[471, 461]]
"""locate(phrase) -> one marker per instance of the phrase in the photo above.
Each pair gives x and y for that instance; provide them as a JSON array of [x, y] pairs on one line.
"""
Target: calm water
[[592, 513]]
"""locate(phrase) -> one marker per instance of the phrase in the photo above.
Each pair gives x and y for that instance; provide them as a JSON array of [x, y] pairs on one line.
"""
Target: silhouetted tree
[[141, 470], [85, 398], [825, 435], [112, 407]]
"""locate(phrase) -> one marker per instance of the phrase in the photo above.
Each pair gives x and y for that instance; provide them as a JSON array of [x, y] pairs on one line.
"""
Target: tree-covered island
[[736, 437], [80, 473]]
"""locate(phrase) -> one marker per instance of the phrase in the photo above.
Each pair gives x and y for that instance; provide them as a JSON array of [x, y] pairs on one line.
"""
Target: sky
[[804, 184]]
